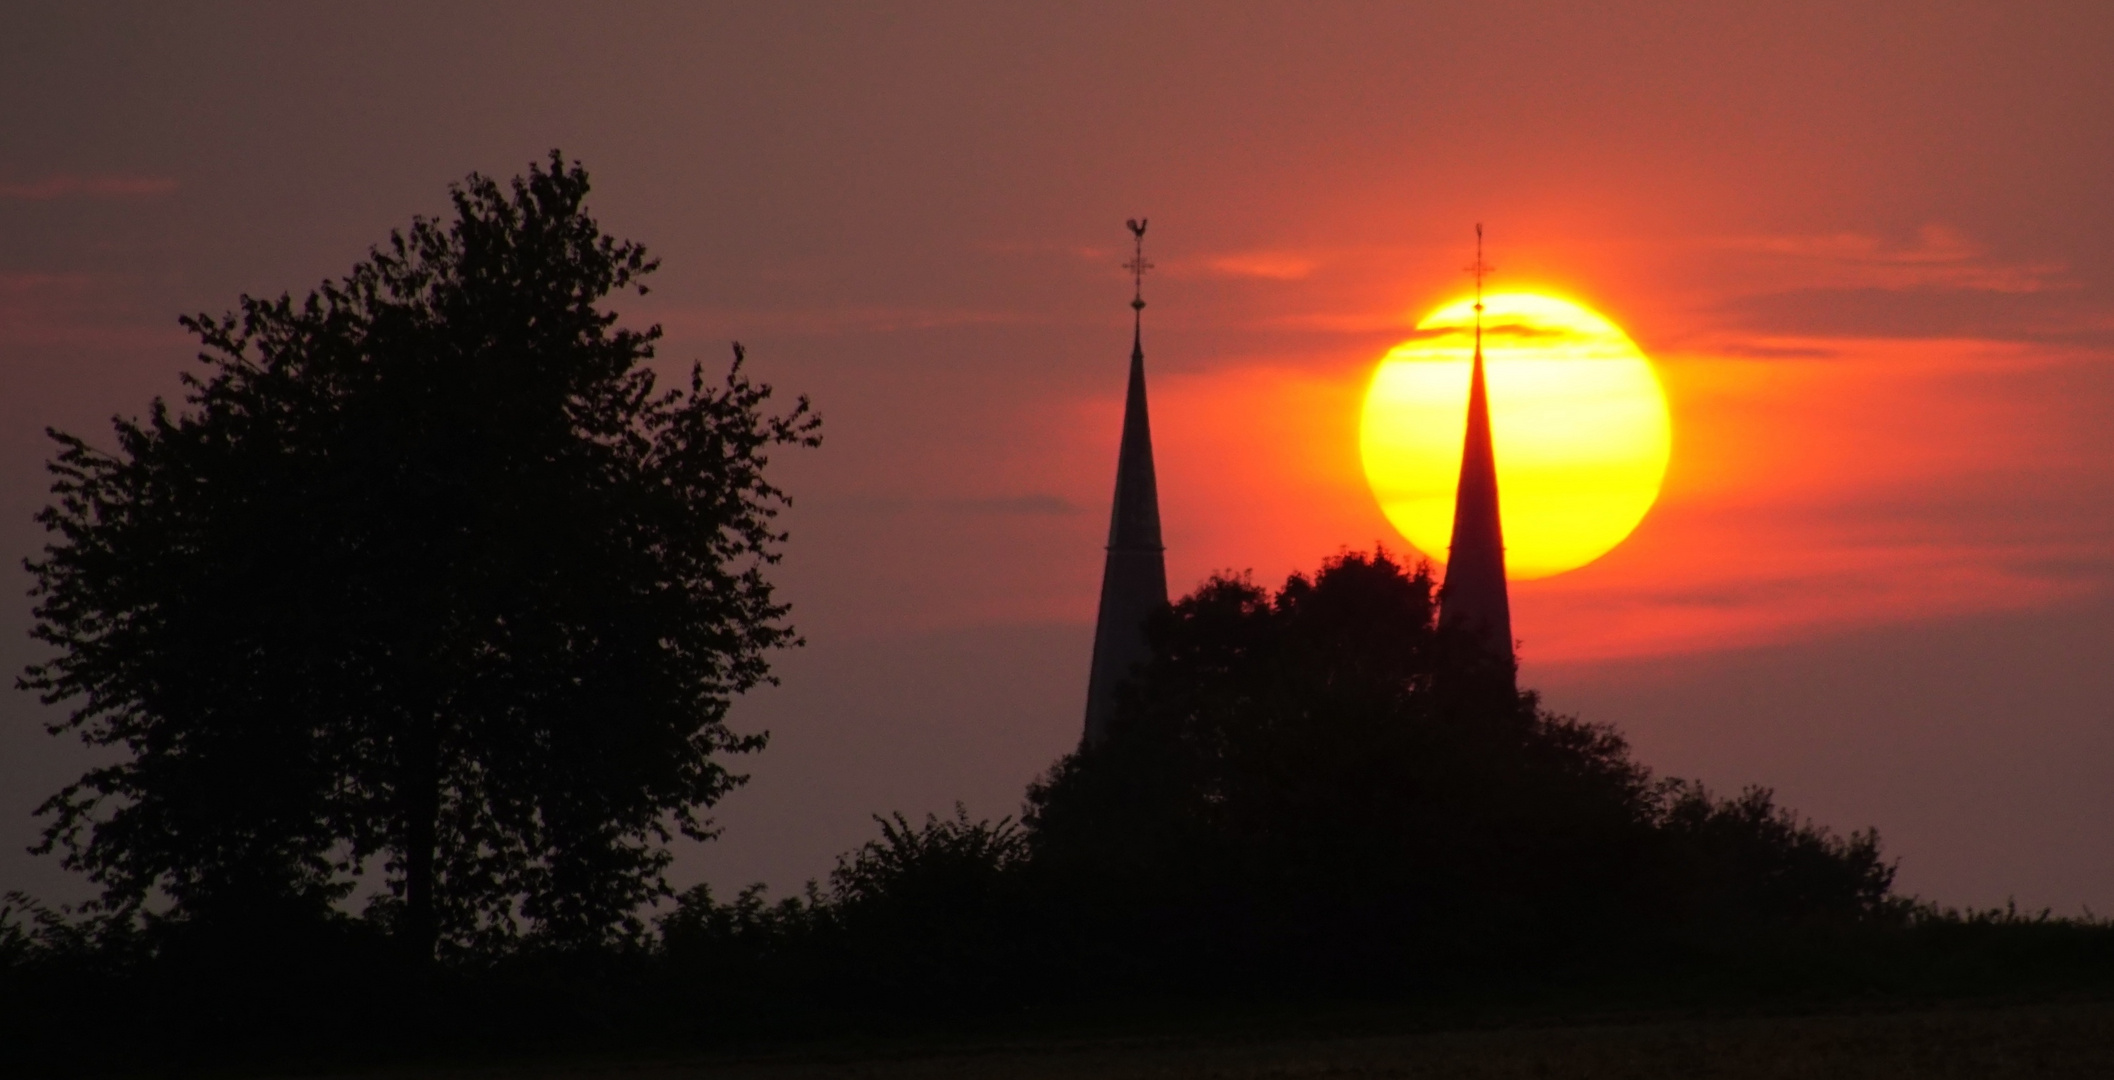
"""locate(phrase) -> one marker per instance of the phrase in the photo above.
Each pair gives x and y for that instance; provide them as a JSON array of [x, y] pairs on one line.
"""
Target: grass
[[2044, 1039]]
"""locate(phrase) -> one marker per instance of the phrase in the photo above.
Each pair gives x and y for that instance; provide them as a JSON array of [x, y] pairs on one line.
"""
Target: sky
[[1868, 248]]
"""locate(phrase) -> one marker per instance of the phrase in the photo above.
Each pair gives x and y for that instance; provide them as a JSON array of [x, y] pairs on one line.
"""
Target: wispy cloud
[[68, 185], [41, 309], [1033, 504], [1767, 350], [850, 319], [1267, 265], [1819, 485], [1826, 582], [1029, 504], [1940, 257], [40, 285], [1334, 322], [1884, 482]]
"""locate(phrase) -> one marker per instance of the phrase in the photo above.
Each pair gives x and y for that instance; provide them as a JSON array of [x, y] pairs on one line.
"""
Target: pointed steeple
[[1474, 596], [1134, 577]]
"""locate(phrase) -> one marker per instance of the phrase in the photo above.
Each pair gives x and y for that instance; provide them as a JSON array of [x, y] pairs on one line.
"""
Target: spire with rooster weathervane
[[1134, 577]]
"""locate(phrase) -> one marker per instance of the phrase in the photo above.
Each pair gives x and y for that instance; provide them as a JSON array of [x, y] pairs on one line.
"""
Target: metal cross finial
[[1137, 265], [1481, 270]]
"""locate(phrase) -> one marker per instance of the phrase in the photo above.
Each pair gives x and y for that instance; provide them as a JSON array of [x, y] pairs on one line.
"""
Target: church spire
[[1134, 577], [1474, 596]]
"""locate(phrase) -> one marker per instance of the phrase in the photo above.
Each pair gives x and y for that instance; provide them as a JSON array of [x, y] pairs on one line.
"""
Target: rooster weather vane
[[1137, 265]]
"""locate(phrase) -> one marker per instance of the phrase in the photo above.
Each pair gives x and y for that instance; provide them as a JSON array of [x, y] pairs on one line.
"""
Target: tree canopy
[[1320, 783], [427, 579]]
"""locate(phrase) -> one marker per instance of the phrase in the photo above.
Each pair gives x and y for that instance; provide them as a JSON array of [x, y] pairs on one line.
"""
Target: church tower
[[1474, 596], [1134, 578]]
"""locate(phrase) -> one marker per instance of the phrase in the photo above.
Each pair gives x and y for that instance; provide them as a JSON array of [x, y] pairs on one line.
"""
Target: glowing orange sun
[[1577, 416]]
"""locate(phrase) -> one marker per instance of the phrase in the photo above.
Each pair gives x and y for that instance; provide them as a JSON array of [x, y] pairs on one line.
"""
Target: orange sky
[[1869, 249], [1819, 482]]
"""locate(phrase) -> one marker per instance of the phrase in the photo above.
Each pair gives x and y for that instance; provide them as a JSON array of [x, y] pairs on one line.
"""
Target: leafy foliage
[[1311, 790], [428, 573], [936, 909], [1304, 785], [927, 909], [1300, 800], [1746, 862]]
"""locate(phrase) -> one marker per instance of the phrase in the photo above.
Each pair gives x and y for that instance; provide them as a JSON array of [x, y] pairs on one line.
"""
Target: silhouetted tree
[[926, 915], [1743, 863], [935, 909], [1320, 784], [428, 572]]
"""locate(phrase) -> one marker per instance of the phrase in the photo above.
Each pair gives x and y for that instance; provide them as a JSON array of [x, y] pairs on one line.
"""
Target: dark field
[[2074, 1039]]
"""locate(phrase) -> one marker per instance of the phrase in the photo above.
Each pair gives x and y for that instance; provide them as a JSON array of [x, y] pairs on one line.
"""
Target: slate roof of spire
[[1474, 596], [1134, 576]]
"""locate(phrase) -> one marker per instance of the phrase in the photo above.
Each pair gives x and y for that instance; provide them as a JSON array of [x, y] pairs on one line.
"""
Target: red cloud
[[65, 185]]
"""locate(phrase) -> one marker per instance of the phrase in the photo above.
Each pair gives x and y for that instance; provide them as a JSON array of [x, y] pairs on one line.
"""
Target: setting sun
[[1578, 419]]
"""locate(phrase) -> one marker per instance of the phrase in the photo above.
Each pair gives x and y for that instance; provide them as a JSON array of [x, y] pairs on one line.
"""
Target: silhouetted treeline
[[1312, 790], [1300, 801], [1318, 786]]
